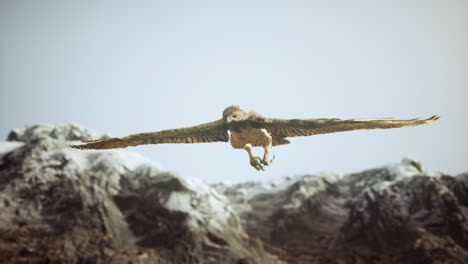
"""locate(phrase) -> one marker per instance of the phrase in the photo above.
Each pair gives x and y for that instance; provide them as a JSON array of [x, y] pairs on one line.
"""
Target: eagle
[[248, 130]]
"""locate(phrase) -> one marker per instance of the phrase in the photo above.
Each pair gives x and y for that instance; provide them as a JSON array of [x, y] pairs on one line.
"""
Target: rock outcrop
[[63, 205]]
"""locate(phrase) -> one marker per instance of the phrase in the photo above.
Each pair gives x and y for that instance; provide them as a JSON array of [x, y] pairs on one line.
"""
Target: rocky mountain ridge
[[62, 205]]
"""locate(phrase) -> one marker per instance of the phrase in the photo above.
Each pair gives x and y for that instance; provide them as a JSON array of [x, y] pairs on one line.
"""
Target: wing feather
[[209, 132], [309, 127]]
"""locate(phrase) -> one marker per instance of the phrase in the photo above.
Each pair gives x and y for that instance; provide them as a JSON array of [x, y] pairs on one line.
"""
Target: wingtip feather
[[433, 118]]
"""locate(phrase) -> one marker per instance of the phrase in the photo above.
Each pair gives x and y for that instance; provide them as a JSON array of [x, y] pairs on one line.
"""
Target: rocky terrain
[[63, 205]]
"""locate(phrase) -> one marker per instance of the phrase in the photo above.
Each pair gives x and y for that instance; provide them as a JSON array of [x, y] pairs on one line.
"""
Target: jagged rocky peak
[[400, 210], [399, 213], [64, 205], [63, 132]]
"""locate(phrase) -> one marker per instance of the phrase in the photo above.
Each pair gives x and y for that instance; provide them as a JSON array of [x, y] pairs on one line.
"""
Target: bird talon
[[255, 162], [268, 163]]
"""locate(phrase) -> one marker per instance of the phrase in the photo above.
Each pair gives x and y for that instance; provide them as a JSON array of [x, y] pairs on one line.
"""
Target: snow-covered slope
[[60, 204], [63, 205], [399, 213]]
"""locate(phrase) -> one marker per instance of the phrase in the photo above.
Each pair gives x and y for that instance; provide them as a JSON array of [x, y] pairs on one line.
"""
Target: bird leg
[[267, 149], [254, 160]]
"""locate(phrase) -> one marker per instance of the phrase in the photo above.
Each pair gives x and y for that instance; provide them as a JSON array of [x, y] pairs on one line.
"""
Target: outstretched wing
[[209, 132], [309, 127]]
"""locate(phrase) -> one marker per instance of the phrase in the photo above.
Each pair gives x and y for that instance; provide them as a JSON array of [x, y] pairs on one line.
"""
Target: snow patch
[[405, 169], [277, 184], [8, 146], [179, 201], [130, 160]]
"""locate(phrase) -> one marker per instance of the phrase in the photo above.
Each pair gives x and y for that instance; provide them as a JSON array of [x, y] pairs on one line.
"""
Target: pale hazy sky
[[135, 66]]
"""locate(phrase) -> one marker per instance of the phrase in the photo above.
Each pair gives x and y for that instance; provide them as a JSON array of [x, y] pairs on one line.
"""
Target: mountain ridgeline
[[63, 205]]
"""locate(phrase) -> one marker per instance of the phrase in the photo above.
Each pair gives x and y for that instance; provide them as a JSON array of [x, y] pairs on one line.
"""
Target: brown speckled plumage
[[249, 129]]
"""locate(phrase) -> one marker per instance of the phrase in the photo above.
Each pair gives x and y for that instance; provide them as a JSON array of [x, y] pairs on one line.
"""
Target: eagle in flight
[[248, 130]]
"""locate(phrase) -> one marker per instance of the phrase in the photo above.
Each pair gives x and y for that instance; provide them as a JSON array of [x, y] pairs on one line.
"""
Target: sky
[[125, 67]]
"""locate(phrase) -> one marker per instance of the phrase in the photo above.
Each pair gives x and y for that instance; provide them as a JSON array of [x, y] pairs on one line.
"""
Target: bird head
[[232, 113]]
